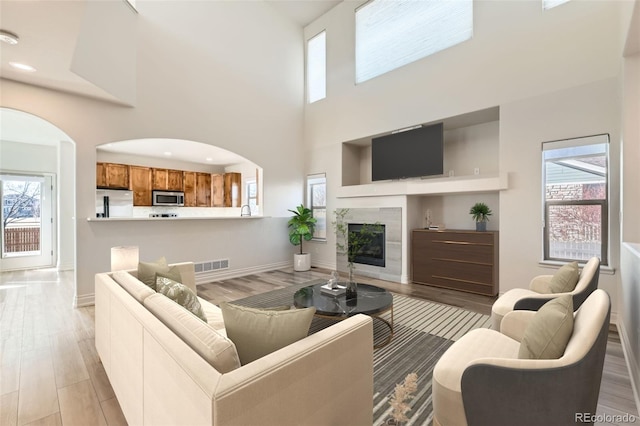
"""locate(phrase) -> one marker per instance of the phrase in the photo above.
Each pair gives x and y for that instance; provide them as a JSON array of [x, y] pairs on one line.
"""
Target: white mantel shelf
[[156, 219], [429, 186]]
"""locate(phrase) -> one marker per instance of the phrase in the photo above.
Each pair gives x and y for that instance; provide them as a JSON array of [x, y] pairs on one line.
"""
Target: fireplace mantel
[[431, 186]]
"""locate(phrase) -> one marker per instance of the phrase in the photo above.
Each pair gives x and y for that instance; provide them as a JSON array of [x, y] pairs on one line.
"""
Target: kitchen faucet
[[242, 212]]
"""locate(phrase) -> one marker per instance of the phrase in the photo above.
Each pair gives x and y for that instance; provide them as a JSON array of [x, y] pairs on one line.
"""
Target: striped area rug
[[422, 333]]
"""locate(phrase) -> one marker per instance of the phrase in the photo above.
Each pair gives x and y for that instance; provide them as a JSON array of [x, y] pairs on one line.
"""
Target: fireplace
[[372, 253]]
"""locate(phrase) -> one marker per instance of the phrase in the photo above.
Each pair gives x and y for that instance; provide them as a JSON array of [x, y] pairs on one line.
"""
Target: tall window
[[317, 67], [317, 202], [549, 4], [393, 33], [576, 198]]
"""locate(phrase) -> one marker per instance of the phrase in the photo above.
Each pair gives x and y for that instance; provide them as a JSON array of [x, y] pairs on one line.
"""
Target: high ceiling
[[49, 44]]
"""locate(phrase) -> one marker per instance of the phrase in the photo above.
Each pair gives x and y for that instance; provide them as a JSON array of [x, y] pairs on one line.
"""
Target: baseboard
[[632, 363], [84, 300], [325, 265], [207, 277], [66, 266]]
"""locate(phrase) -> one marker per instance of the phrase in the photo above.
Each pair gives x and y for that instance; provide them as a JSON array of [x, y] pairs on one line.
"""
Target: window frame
[[309, 195], [309, 70], [603, 203], [424, 45]]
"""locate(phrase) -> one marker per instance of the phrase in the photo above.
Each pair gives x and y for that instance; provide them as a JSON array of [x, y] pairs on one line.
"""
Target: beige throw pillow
[[147, 271], [258, 332], [565, 279], [548, 333], [181, 294]]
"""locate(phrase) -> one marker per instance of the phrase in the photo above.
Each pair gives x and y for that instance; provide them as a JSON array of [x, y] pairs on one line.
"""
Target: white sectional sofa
[[160, 379]]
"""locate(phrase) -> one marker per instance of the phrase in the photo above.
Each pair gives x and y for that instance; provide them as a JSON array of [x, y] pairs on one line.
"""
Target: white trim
[[84, 300], [326, 265], [634, 373], [69, 266]]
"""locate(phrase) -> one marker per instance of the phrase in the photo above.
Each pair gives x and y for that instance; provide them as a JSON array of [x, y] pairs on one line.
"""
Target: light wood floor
[[50, 373]]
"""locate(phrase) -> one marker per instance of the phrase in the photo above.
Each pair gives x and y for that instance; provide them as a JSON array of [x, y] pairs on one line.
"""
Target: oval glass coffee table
[[371, 300]]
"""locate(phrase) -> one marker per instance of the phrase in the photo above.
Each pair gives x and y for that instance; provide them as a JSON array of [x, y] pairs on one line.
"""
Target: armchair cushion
[[565, 279], [549, 331]]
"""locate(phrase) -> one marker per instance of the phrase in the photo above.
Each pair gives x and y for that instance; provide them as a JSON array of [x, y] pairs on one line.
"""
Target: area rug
[[422, 333]]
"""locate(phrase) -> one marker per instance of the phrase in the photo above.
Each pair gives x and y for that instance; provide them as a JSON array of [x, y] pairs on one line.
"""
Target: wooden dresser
[[457, 259]]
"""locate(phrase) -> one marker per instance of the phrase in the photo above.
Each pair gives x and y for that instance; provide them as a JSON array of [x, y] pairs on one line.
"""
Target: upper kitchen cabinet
[[217, 190], [203, 190], [190, 190], [168, 179], [141, 185], [232, 189], [112, 176]]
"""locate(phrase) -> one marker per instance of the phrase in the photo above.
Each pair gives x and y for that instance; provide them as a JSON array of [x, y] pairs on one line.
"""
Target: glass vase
[[352, 287]]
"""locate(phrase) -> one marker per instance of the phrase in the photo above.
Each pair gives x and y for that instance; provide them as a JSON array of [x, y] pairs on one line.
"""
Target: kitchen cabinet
[[203, 189], [232, 189], [217, 190], [460, 260], [168, 180], [112, 176], [189, 185], [141, 185]]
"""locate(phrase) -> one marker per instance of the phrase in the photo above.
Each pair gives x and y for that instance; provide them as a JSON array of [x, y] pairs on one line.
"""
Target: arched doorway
[[37, 169]]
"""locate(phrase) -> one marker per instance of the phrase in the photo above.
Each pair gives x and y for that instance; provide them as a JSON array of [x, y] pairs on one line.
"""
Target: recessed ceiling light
[[209, 159], [22, 67], [8, 37], [167, 153]]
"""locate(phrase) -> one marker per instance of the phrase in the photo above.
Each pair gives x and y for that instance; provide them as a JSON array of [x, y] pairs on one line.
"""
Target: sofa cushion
[[549, 331], [258, 332], [181, 294], [216, 349], [565, 279], [132, 285], [147, 271]]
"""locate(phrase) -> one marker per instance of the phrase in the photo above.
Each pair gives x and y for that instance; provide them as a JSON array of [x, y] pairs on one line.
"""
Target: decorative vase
[[352, 287], [301, 262], [481, 226]]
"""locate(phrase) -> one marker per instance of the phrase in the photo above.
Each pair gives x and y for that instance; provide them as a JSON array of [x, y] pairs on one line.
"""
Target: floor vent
[[211, 265]]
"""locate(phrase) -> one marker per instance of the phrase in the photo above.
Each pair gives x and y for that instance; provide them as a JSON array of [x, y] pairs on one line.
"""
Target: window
[[576, 196], [549, 4], [252, 195], [317, 202], [317, 67], [393, 33]]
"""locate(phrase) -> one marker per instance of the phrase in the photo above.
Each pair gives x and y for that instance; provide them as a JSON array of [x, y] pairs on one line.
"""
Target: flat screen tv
[[410, 153]]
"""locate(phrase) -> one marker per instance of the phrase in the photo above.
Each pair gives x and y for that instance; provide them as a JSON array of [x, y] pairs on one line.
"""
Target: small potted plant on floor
[[480, 212], [301, 227]]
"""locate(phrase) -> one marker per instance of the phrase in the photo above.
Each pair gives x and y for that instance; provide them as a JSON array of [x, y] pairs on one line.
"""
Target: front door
[[27, 221]]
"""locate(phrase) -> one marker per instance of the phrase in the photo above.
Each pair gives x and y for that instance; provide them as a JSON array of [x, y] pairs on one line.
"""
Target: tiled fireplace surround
[[391, 217]]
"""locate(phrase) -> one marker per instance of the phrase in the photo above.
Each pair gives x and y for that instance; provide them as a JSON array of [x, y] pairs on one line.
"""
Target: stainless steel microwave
[[168, 198]]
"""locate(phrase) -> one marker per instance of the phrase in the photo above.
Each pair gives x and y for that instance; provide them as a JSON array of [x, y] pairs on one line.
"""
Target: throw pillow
[[565, 279], [147, 271], [548, 333], [258, 332], [181, 294]]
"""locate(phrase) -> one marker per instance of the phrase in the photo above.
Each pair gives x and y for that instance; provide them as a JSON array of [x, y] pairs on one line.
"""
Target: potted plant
[[480, 212], [301, 227], [350, 244]]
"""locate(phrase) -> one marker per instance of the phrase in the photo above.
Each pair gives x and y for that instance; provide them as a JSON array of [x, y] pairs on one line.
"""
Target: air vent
[[211, 266]]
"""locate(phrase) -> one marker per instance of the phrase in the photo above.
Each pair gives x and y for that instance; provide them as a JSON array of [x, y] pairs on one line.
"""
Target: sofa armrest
[[326, 377], [540, 284], [515, 323], [535, 302]]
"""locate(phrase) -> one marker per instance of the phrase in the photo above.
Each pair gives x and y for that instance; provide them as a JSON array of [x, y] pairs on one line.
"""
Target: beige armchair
[[481, 381], [538, 293]]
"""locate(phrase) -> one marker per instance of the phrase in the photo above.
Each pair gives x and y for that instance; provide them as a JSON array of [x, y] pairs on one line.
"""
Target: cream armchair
[[538, 293], [480, 380]]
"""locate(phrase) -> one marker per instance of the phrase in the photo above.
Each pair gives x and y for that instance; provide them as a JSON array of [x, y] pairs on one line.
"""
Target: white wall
[[579, 111], [518, 55], [201, 76]]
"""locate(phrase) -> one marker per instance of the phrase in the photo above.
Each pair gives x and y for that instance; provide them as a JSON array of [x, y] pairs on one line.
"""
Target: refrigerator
[[114, 203]]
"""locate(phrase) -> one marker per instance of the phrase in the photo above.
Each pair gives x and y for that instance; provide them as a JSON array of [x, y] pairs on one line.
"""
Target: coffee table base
[[377, 316]]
